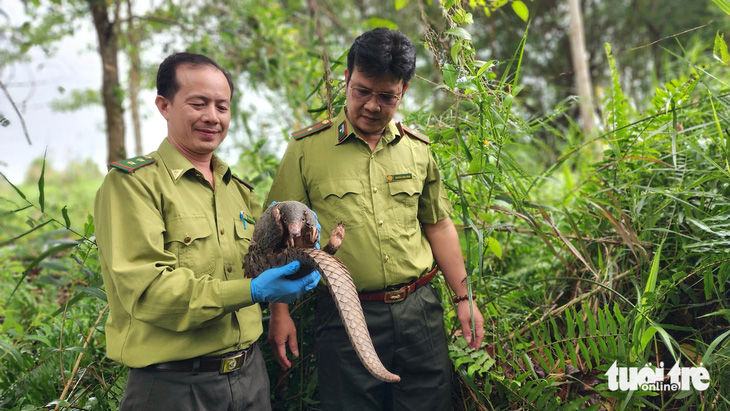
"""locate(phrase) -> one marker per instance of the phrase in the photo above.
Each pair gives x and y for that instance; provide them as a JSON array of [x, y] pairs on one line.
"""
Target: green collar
[[177, 165], [345, 130]]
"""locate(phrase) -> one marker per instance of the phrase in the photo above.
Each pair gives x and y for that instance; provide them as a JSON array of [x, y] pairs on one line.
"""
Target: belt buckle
[[231, 364], [396, 295]]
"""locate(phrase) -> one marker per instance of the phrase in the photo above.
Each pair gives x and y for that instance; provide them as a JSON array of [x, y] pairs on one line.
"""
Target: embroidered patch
[[399, 177], [342, 131]]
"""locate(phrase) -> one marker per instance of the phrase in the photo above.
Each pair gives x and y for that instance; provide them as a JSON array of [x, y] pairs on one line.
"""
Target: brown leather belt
[[397, 293], [225, 363]]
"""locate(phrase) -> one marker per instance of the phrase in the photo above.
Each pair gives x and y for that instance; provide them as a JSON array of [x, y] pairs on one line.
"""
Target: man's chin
[[370, 127]]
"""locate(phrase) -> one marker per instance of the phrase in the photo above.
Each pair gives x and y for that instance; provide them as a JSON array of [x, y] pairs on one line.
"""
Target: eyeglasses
[[384, 99]]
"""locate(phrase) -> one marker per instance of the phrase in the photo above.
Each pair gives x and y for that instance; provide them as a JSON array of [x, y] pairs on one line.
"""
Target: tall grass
[[594, 259]]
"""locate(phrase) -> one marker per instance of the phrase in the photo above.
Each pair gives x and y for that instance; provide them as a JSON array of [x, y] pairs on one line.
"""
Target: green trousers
[[244, 389], [410, 340]]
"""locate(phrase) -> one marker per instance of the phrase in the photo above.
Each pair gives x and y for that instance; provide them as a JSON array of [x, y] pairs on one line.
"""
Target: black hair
[[167, 84], [383, 51]]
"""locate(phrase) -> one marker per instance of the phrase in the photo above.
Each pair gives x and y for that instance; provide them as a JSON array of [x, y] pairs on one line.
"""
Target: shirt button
[[223, 231], [229, 268], [186, 239], [375, 189], [380, 222], [387, 258]]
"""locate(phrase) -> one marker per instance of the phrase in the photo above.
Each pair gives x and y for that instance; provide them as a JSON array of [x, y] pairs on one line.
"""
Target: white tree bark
[[580, 68]]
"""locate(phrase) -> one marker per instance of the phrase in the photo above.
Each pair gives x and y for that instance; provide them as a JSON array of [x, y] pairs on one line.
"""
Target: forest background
[[587, 163]]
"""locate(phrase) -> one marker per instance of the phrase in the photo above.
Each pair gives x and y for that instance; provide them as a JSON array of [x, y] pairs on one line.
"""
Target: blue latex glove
[[272, 286]]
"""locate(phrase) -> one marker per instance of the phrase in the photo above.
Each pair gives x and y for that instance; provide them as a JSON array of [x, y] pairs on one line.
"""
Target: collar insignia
[[342, 131]]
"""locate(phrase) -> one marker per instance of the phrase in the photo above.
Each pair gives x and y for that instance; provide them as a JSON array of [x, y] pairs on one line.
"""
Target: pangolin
[[287, 232]]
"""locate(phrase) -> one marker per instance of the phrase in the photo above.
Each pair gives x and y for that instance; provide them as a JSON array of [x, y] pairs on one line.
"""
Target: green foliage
[[636, 239], [578, 252], [52, 305], [75, 100]]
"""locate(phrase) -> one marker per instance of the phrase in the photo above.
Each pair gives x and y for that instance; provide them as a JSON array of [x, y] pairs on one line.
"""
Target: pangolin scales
[[286, 232]]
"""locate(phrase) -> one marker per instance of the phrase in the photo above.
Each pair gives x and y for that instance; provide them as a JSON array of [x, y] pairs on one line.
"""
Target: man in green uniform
[[172, 230], [378, 177]]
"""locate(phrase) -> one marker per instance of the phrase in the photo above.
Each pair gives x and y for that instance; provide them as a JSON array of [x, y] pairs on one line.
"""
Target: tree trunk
[[134, 87], [110, 90], [580, 68]]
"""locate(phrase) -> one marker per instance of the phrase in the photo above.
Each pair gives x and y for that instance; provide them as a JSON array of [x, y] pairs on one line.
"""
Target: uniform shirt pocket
[[405, 196], [190, 239], [343, 200], [244, 231]]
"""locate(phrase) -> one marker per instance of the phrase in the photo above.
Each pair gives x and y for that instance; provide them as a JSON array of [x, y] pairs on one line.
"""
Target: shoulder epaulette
[[129, 165], [314, 128], [246, 183], [415, 134]]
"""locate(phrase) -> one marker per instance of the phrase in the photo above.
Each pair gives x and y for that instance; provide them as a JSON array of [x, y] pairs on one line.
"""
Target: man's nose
[[372, 104], [210, 114]]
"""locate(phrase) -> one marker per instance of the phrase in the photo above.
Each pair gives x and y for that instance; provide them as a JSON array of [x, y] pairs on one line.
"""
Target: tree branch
[[17, 111]]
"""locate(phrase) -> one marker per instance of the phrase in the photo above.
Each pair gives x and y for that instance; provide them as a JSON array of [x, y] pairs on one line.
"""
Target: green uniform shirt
[[382, 196], [171, 251]]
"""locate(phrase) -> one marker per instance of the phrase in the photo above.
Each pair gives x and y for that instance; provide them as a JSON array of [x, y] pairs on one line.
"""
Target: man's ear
[[406, 88], [347, 77], [163, 105]]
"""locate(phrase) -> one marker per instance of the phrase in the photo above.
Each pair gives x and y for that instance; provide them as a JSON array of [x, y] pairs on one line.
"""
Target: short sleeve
[[433, 205]]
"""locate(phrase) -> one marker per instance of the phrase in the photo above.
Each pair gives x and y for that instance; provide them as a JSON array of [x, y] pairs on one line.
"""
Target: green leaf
[[450, 75], [459, 32], [725, 311], [399, 4], [6, 348], [707, 359], [666, 338], [63, 245], [723, 4], [67, 220], [40, 338], [486, 66], [455, 49], [719, 50], [25, 233], [461, 360], [653, 272], [493, 246], [93, 291], [647, 336], [17, 190], [41, 186], [521, 10], [375, 22], [475, 165]]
